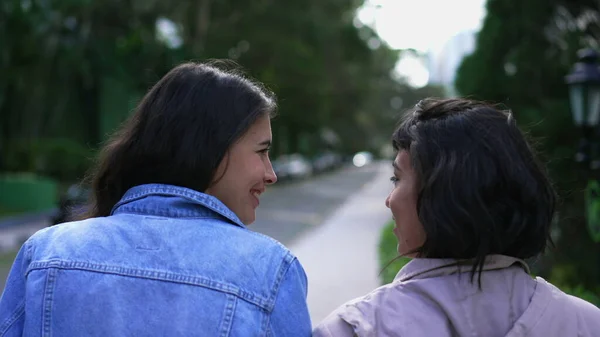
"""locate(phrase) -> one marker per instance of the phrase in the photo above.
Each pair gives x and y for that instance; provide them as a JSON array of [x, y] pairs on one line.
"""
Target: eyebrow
[[396, 167], [265, 143]]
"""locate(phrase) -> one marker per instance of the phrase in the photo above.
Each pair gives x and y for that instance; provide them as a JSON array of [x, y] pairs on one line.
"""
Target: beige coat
[[435, 298]]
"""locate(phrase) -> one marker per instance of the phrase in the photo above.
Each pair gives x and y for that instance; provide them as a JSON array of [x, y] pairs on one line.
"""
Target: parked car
[[71, 204], [326, 161], [292, 166]]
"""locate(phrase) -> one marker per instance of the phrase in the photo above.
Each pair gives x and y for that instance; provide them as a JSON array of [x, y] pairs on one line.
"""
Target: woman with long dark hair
[[163, 249]]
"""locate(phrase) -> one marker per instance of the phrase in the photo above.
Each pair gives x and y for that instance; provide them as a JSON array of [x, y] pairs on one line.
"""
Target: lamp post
[[584, 92]]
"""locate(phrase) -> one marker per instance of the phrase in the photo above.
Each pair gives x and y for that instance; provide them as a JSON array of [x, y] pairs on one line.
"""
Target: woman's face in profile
[[246, 171], [402, 201]]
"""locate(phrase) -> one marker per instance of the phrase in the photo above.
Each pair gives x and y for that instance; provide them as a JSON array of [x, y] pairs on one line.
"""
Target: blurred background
[[343, 70]]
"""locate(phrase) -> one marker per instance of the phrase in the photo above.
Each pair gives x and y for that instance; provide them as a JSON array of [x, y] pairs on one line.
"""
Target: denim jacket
[[168, 261]]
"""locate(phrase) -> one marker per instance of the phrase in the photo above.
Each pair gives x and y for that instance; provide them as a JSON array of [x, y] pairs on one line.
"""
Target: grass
[[6, 259], [388, 251]]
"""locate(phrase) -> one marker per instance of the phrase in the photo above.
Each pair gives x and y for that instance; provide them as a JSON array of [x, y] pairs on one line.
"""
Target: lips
[[256, 194]]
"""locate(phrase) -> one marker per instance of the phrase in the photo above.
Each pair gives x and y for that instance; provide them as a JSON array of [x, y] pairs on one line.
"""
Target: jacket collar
[[135, 195], [420, 268]]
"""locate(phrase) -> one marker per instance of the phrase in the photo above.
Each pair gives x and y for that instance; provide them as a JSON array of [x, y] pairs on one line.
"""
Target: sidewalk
[[17, 229], [340, 256]]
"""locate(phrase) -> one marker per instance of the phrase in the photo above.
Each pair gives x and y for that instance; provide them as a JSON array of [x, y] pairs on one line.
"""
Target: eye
[[265, 150], [394, 180]]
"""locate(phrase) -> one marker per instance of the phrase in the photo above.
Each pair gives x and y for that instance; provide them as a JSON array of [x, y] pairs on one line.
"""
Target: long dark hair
[[482, 191], [179, 133]]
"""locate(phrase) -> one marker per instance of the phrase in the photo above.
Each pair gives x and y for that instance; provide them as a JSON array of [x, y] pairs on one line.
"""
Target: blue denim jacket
[[169, 261]]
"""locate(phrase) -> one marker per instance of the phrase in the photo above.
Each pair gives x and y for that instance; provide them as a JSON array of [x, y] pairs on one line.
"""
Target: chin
[[248, 220]]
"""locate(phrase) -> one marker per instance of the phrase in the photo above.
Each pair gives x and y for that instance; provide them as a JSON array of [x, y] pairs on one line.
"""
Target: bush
[[62, 159], [388, 252], [27, 192], [562, 277], [584, 294]]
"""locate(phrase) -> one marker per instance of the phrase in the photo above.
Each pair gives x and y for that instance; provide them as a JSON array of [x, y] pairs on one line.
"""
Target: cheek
[[256, 168], [401, 203], [252, 171]]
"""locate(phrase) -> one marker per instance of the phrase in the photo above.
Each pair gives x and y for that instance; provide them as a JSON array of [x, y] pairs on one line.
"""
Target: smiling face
[[246, 170], [402, 201]]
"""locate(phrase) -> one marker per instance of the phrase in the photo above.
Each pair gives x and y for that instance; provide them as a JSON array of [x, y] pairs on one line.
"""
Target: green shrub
[[27, 192], [581, 292], [562, 276], [62, 159]]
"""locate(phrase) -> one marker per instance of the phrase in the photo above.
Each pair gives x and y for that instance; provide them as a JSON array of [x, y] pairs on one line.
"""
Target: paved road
[[290, 209], [340, 256]]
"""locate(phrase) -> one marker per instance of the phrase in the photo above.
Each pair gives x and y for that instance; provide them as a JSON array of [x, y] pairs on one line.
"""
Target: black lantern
[[584, 90]]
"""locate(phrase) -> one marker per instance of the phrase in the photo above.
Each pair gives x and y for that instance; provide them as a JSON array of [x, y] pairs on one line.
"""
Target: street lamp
[[584, 90]]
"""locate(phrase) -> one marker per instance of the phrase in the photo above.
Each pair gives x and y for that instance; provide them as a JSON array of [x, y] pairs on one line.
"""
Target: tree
[[73, 69], [523, 52]]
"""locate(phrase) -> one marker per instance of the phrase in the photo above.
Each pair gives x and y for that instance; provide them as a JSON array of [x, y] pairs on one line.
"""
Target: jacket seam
[[18, 313], [284, 267], [228, 315], [47, 304], [20, 310], [192, 215], [154, 275]]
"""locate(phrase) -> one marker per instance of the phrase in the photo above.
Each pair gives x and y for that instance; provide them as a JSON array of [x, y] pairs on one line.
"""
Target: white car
[[292, 166]]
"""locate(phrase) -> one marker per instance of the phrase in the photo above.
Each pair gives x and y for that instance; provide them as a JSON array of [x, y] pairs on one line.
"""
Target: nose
[[270, 176], [387, 201]]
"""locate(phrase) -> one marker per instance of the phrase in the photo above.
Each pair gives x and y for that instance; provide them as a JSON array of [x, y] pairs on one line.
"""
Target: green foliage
[[72, 67], [60, 158], [6, 211], [388, 252], [27, 192], [523, 52], [564, 277], [584, 294], [592, 202]]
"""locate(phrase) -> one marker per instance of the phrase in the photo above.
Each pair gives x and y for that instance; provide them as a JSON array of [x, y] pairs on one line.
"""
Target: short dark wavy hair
[[481, 188]]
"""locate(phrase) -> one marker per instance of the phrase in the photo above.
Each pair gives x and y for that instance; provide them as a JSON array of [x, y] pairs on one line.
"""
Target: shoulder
[[63, 234], [334, 326], [585, 311], [385, 307], [555, 310], [113, 239], [263, 241], [125, 229], [251, 245]]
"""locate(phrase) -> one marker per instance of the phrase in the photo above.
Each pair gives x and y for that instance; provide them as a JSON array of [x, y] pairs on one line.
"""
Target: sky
[[422, 25]]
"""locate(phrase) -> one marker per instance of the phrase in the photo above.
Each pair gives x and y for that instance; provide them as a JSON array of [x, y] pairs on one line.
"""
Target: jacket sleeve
[[334, 326], [290, 316], [12, 302]]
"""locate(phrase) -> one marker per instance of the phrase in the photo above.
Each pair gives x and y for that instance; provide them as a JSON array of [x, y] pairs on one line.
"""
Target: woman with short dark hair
[[470, 202], [164, 249]]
